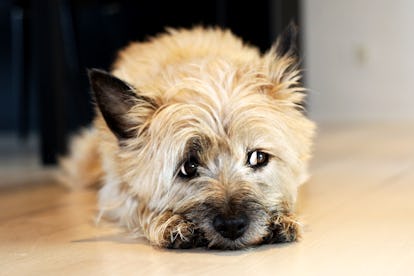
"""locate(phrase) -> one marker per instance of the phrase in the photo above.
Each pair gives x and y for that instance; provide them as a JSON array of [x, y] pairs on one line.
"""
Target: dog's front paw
[[193, 239], [283, 228], [184, 235]]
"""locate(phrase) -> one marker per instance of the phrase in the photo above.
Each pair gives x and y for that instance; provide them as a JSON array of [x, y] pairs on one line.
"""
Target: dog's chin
[[269, 235], [218, 242], [210, 238]]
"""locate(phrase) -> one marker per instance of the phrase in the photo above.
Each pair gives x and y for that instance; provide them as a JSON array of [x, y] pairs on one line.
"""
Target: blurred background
[[357, 58]]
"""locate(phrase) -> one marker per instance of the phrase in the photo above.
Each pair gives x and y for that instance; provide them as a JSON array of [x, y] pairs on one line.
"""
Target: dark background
[[46, 46]]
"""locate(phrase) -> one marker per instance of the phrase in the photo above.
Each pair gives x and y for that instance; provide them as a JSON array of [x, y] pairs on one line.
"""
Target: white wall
[[359, 59]]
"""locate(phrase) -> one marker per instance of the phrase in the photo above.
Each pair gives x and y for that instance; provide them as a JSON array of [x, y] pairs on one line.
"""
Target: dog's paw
[[184, 235], [283, 228], [193, 240]]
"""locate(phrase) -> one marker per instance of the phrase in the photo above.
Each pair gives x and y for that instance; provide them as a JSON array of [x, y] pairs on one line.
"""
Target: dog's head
[[221, 144]]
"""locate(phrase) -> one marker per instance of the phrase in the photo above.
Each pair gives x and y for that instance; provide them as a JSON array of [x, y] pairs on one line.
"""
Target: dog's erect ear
[[115, 98], [286, 43], [282, 63]]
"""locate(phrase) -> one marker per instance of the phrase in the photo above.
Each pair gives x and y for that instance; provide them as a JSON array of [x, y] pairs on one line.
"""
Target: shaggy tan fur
[[204, 91]]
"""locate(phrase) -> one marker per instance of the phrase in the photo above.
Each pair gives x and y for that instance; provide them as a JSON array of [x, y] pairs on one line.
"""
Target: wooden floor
[[358, 210]]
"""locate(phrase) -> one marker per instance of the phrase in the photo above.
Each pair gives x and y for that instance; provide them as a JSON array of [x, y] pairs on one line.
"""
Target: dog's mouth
[[237, 225], [219, 241], [240, 231], [226, 232]]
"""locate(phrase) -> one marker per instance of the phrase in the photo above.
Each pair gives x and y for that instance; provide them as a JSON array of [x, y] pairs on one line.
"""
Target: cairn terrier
[[198, 140]]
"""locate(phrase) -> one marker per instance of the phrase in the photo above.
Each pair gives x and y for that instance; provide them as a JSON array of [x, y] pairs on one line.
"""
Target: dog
[[199, 140]]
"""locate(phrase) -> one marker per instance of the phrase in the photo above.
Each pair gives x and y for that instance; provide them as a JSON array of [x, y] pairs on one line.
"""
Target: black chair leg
[[50, 77]]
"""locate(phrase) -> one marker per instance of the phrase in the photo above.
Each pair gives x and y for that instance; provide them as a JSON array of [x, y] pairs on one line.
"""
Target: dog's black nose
[[231, 227]]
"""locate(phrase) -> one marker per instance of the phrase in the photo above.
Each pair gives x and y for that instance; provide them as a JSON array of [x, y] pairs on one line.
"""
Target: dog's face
[[221, 150]]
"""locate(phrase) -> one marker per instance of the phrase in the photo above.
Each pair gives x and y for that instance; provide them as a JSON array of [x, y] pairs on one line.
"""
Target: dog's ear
[[287, 42], [282, 65], [115, 98]]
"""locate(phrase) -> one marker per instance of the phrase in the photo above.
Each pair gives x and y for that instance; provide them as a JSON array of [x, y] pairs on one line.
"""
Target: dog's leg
[[82, 167]]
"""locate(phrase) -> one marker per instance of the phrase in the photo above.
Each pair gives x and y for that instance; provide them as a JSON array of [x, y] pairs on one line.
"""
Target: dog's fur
[[201, 95]]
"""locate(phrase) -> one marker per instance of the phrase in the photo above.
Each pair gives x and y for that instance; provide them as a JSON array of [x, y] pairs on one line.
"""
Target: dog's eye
[[257, 159], [189, 168]]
